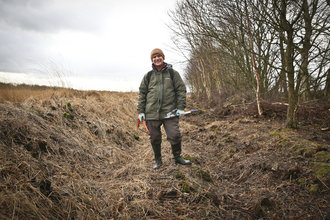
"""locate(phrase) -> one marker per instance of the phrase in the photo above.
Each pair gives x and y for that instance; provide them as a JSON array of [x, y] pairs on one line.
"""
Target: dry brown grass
[[17, 94], [67, 154]]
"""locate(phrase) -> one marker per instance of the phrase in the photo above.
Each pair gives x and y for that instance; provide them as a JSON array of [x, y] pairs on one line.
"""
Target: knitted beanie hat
[[157, 51]]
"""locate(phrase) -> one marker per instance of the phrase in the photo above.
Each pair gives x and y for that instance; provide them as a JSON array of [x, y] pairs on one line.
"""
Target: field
[[67, 154]]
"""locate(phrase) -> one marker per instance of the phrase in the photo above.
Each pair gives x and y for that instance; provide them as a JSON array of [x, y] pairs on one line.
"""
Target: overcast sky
[[97, 44]]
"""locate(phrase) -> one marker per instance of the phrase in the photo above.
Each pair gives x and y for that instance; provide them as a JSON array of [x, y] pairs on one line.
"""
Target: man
[[161, 91]]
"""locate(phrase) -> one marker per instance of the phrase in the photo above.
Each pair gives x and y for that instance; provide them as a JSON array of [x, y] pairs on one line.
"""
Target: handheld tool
[[144, 126], [172, 113]]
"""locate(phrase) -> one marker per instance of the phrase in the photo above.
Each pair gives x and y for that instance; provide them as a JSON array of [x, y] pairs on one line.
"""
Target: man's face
[[158, 60]]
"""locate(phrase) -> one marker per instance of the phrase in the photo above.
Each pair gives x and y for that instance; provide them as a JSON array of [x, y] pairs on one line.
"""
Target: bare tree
[[288, 40], [254, 61]]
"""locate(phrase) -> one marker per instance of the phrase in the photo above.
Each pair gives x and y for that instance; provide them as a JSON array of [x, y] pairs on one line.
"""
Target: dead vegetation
[[79, 155]]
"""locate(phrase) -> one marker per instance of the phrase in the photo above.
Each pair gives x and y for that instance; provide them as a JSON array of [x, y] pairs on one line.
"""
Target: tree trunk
[[283, 78], [327, 86], [305, 78], [254, 63], [305, 52], [204, 78], [293, 94]]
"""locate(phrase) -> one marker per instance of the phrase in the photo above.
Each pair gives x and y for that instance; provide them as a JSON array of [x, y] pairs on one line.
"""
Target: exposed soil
[[244, 166], [256, 167]]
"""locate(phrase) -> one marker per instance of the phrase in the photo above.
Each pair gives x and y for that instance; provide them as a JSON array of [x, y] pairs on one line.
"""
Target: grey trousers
[[172, 130]]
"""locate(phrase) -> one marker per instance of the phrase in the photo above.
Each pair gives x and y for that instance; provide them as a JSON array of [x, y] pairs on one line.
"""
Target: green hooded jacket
[[162, 94]]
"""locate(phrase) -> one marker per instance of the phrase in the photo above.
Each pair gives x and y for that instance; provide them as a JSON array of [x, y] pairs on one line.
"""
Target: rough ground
[[244, 166]]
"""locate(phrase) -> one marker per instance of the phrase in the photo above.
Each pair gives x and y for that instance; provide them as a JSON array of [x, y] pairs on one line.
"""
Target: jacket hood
[[166, 65]]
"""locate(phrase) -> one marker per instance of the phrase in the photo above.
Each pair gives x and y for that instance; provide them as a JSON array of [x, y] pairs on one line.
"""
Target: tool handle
[[145, 125], [174, 110], [195, 110], [191, 111], [144, 122]]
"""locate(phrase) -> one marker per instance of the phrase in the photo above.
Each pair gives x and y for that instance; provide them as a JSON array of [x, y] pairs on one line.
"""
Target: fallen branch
[[279, 103]]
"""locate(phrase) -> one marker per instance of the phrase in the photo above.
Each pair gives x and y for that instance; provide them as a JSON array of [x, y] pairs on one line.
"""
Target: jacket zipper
[[160, 95], [160, 90]]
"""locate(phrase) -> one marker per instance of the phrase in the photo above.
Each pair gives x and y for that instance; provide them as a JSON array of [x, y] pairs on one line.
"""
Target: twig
[[240, 176], [323, 183], [14, 210]]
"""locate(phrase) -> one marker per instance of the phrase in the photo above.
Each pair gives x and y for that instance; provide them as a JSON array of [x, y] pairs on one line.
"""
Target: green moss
[[321, 153], [320, 169], [285, 140], [301, 182], [67, 115], [322, 156], [278, 133], [69, 106], [184, 187], [307, 150], [275, 133], [136, 137], [183, 182], [232, 150], [314, 189]]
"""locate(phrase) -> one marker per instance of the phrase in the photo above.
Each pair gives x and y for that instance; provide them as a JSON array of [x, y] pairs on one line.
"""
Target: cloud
[[29, 29], [13, 49], [99, 39], [44, 16]]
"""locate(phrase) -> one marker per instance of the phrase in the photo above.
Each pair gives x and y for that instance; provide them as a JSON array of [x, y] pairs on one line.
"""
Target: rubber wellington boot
[[176, 150], [158, 155]]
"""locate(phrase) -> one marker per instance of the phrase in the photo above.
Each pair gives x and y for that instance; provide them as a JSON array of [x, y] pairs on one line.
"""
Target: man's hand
[[180, 113], [142, 116]]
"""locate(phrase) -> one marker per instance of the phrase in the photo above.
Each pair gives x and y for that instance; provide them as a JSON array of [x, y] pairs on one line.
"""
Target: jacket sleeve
[[181, 91], [143, 90]]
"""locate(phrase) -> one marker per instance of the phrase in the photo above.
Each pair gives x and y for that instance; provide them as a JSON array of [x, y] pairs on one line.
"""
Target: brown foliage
[[92, 166]]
